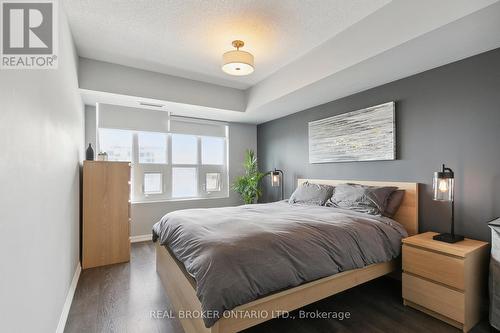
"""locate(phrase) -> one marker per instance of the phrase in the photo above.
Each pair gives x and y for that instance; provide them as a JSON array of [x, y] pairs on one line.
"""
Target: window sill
[[176, 200]]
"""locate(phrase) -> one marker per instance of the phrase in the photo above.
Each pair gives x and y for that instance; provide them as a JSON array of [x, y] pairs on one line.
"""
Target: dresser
[[447, 281], [106, 213]]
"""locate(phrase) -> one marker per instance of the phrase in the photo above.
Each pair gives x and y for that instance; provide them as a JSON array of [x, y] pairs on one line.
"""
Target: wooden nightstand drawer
[[435, 266], [445, 280], [435, 297]]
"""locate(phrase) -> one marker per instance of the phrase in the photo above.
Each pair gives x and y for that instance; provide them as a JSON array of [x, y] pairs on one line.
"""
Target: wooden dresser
[[444, 280], [106, 213]]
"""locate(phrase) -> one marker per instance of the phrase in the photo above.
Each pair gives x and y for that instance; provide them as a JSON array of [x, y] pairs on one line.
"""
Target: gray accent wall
[[450, 114], [41, 131]]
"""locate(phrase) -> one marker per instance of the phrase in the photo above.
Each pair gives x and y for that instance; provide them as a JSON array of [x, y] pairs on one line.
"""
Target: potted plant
[[248, 186]]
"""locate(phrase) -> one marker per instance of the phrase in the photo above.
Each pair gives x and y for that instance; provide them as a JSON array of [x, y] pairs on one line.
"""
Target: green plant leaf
[[248, 186]]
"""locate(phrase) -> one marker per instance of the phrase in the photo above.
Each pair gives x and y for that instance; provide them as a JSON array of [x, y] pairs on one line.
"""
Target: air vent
[[152, 105]]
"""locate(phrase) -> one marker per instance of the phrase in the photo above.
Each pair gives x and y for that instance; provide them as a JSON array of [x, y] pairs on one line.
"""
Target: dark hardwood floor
[[120, 298]]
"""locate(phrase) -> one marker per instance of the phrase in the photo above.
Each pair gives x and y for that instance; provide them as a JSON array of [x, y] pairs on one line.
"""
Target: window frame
[[137, 134], [99, 139], [166, 169], [161, 181], [219, 182], [196, 172]]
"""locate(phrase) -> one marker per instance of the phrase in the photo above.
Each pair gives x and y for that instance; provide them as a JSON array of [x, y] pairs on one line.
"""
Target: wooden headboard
[[407, 213]]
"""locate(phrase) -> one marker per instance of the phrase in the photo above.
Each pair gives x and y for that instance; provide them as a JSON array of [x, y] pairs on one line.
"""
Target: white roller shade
[[135, 119], [182, 125], [122, 117]]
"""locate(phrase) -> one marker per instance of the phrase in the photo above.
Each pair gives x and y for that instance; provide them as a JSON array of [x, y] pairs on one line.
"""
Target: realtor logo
[[29, 34]]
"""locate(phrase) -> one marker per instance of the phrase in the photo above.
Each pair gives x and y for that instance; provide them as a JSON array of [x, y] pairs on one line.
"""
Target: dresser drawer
[[435, 297], [434, 266]]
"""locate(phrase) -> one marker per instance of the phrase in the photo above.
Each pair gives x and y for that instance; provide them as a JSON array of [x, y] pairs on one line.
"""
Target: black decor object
[[443, 185], [89, 156]]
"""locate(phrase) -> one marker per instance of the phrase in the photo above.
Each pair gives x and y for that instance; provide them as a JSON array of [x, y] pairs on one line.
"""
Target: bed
[[181, 287]]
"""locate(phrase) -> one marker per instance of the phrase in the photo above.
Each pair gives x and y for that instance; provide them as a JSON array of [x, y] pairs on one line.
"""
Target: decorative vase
[[89, 156]]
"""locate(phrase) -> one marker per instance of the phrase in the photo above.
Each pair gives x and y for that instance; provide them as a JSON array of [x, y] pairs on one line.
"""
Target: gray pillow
[[311, 194], [360, 198], [393, 203]]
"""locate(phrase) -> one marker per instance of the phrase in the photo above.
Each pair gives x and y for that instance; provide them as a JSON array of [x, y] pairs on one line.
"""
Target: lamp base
[[448, 238]]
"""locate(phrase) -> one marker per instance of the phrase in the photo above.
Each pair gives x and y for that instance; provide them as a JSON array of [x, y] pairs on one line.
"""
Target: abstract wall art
[[363, 135]]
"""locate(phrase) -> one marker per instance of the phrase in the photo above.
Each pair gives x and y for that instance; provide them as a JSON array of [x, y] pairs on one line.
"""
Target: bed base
[[181, 291]]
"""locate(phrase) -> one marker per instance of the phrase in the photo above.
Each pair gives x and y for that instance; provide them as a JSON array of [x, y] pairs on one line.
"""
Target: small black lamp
[[443, 185], [277, 180]]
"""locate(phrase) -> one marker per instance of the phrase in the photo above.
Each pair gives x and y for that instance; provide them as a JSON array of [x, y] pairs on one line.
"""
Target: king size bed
[[227, 269]]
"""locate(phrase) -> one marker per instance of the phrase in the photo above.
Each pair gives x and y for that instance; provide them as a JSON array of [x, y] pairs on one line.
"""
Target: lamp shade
[[275, 178], [237, 62], [443, 184]]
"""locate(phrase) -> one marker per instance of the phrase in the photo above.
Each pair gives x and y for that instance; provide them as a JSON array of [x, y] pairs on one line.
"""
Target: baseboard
[[140, 238], [69, 300]]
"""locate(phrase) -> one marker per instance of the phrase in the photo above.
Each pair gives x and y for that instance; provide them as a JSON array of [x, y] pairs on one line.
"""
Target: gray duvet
[[238, 254]]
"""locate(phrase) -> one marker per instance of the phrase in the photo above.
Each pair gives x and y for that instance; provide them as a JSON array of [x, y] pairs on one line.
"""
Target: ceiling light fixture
[[237, 62]]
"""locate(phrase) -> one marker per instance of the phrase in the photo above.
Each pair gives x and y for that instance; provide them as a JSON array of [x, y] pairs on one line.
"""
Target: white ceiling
[[328, 50], [187, 38]]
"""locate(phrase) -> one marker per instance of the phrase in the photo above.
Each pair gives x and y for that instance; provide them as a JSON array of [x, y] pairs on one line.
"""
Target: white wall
[[90, 125], [41, 131], [117, 79], [144, 215]]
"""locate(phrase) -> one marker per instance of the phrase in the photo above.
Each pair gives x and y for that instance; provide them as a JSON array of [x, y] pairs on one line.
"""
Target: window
[[116, 143], [172, 166], [153, 183], [213, 165], [212, 182], [212, 150], [152, 147], [184, 182], [184, 149]]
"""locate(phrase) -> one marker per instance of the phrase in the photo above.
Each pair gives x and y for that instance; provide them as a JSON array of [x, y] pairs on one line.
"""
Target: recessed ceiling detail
[[163, 45], [187, 38]]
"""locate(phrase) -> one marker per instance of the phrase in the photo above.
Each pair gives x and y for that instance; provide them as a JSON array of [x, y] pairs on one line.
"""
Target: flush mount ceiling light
[[237, 62]]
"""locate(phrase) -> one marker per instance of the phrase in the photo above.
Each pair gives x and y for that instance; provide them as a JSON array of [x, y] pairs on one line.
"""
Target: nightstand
[[445, 280]]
